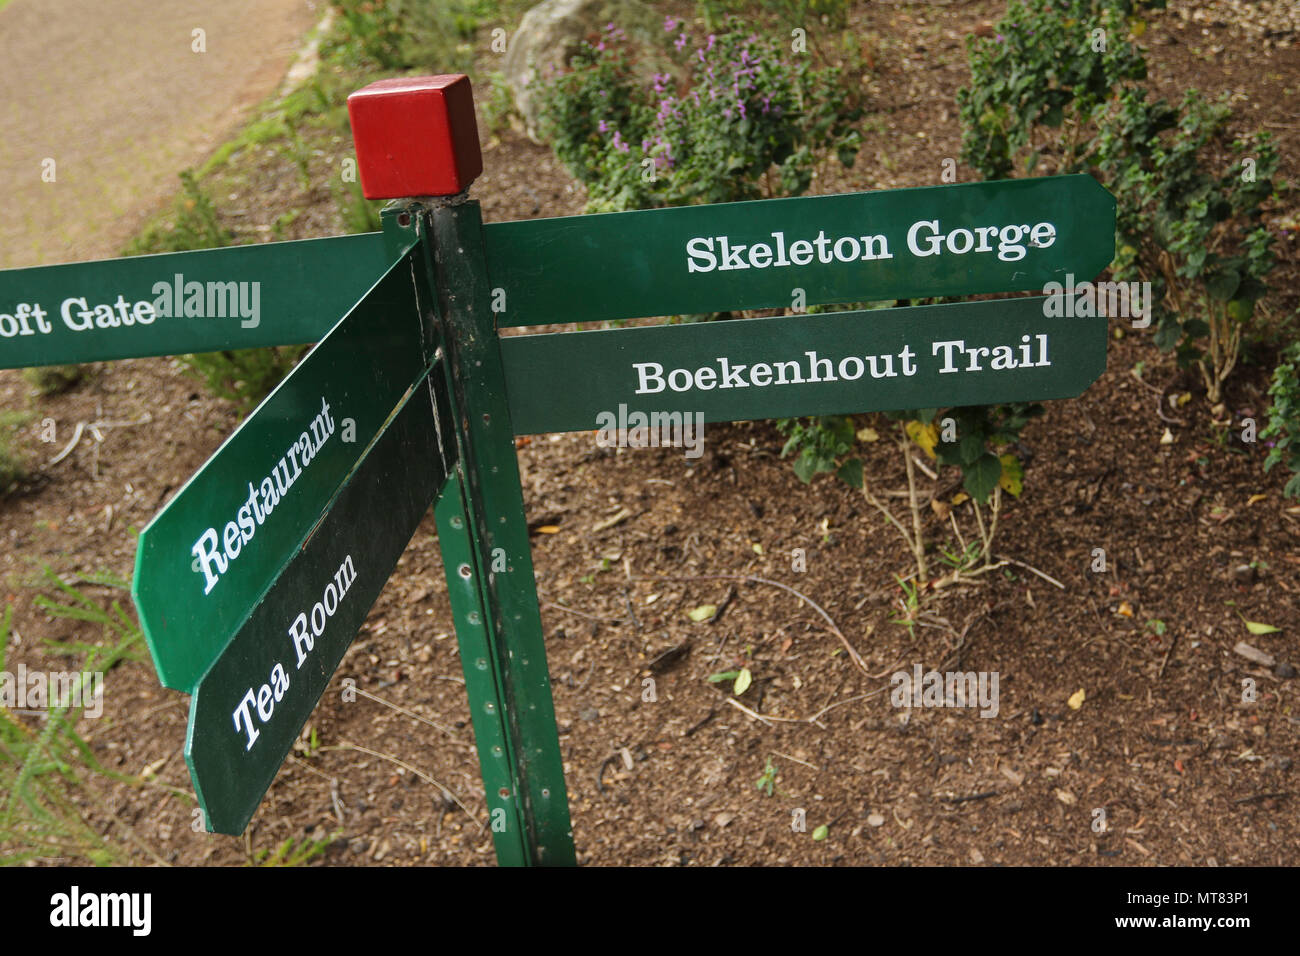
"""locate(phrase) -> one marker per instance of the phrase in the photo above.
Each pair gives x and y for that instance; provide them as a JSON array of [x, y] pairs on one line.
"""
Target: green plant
[[293, 852], [1193, 231], [909, 605], [400, 34], [54, 379], [359, 214], [499, 105], [12, 467], [47, 775], [195, 227], [767, 782], [741, 120], [1048, 65], [244, 376], [1282, 434]]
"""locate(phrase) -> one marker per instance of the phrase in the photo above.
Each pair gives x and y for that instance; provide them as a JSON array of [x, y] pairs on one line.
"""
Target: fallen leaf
[[1076, 699], [758, 548], [1178, 765], [1254, 498], [959, 497], [1066, 797], [1014, 776], [1125, 609], [743, 680], [1257, 628], [868, 434], [702, 613], [548, 529], [1167, 438], [821, 832]]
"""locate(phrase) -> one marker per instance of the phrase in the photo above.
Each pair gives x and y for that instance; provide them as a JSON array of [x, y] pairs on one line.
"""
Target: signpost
[[254, 579]]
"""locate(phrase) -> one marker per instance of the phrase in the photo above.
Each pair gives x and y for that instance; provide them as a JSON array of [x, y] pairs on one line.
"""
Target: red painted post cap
[[415, 136]]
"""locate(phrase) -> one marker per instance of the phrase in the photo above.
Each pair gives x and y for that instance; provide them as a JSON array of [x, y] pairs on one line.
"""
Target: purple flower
[[618, 142], [712, 39], [670, 24], [680, 42], [603, 127]]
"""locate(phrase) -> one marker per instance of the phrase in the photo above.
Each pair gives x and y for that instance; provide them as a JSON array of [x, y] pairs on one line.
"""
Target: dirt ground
[[1197, 538]]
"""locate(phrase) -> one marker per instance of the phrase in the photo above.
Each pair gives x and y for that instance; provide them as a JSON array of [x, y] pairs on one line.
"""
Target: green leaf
[[721, 676], [1222, 285], [983, 476], [702, 613], [1257, 628], [743, 680], [821, 833], [805, 466], [851, 473]]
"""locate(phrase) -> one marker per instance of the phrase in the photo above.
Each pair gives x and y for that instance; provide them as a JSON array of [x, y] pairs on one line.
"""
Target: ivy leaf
[[805, 466], [851, 473], [1222, 285], [983, 476]]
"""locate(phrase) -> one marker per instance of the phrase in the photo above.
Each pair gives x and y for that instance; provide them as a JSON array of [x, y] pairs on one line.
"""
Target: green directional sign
[[1003, 236], [214, 549], [209, 300], [966, 353], [251, 704]]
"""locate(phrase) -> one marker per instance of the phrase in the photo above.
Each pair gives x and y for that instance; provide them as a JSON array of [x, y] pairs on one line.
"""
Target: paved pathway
[[112, 91]]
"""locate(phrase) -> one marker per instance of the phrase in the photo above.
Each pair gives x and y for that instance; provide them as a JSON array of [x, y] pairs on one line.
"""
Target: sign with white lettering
[[964, 353], [251, 704], [1000, 236], [280, 293], [211, 553]]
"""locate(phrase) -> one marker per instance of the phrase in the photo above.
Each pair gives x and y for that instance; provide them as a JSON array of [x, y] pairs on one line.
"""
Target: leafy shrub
[[54, 379], [196, 225], [400, 34], [245, 376], [1191, 231], [1043, 68], [1283, 430], [742, 120], [12, 468]]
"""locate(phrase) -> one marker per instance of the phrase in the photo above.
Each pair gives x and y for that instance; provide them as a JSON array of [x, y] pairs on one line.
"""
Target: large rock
[[551, 33]]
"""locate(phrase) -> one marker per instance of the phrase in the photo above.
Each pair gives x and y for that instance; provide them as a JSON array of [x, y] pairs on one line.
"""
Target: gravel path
[[115, 95]]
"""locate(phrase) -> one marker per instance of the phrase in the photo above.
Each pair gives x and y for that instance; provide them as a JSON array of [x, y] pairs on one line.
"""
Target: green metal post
[[484, 538]]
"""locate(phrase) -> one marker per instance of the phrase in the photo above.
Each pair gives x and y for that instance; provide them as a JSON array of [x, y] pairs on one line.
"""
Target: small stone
[[588, 714], [875, 820], [1284, 670], [1243, 574], [724, 818], [976, 856], [1066, 797]]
